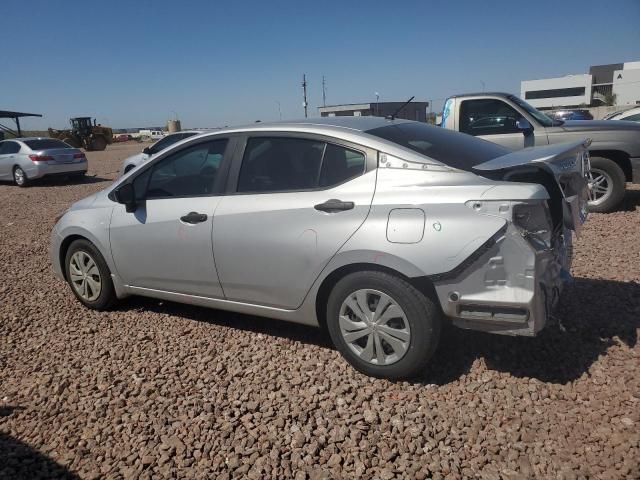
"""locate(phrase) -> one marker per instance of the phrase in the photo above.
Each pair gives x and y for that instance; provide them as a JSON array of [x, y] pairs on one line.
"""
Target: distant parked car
[[380, 230], [575, 114], [25, 159], [631, 115], [124, 137], [157, 147]]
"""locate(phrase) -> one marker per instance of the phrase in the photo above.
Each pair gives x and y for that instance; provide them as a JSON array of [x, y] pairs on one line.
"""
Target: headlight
[[534, 222]]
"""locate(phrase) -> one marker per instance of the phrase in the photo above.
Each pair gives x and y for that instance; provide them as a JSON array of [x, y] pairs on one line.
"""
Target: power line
[[324, 93], [304, 90]]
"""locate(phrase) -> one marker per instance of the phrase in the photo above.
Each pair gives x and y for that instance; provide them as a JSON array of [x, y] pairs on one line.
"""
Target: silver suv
[[379, 230]]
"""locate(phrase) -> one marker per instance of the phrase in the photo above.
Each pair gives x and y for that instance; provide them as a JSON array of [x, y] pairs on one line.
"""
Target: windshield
[[454, 149], [535, 113], [168, 141]]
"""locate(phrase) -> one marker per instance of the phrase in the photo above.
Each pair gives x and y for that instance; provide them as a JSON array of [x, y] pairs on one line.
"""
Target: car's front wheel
[[382, 324], [89, 276], [607, 185]]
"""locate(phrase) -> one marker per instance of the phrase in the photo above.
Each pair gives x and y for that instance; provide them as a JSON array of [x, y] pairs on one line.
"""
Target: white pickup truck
[[510, 121]]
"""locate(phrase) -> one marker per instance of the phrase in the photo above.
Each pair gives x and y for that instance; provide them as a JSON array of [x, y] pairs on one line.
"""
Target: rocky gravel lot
[[156, 390]]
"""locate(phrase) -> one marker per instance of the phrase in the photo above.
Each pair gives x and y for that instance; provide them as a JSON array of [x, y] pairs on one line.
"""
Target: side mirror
[[523, 125], [126, 195], [146, 151]]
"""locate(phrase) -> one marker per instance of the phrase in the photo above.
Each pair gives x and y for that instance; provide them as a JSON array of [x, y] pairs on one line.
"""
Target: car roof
[[360, 124], [480, 94], [24, 139], [630, 110]]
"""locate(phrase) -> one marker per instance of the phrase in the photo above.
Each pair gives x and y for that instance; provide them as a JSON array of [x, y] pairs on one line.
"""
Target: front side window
[[488, 117], [186, 173], [294, 164]]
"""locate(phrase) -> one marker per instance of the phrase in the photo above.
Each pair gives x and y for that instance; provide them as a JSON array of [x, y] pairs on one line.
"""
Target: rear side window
[[294, 164], [8, 147], [45, 144], [451, 148]]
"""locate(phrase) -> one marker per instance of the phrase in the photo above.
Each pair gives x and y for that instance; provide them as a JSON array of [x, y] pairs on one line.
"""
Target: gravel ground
[[155, 389]]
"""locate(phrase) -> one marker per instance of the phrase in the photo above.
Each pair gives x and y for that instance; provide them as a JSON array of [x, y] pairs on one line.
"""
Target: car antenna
[[393, 115]]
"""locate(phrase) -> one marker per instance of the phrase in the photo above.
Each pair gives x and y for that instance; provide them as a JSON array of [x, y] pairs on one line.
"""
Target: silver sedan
[[379, 230], [25, 159]]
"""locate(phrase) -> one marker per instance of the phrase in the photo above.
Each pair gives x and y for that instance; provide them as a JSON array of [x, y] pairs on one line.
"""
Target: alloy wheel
[[601, 186], [19, 176], [85, 276], [374, 327]]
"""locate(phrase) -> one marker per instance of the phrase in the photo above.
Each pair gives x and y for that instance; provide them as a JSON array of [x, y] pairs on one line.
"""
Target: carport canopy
[[16, 118]]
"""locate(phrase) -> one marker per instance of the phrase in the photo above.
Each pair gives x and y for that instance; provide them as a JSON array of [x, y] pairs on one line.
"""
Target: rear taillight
[[40, 158], [534, 221], [80, 156]]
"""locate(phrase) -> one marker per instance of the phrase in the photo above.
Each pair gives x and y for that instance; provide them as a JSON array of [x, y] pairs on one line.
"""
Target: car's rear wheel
[[607, 185], [19, 177], [383, 325], [89, 276]]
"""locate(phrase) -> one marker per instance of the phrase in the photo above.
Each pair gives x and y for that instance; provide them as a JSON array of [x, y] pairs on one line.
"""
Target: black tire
[[613, 174], [422, 314], [20, 177], [98, 144], [107, 295], [72, 142]]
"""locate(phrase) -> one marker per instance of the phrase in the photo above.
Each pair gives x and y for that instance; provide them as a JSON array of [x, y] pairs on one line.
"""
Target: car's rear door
[[294, 200]]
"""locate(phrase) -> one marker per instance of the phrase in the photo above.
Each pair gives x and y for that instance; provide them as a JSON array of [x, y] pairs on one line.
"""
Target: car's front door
[[494, 120], [295, 202], [8, 150], [166, 243]]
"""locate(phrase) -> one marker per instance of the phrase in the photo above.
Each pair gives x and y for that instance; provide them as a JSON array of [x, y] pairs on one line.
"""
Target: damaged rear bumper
[[510, 288]]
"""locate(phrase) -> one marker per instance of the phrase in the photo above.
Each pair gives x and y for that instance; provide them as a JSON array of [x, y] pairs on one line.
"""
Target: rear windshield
[[454, 149], [46, 143]]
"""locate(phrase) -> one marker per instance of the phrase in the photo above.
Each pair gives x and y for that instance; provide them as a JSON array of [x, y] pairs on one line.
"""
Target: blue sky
[[223, 63]]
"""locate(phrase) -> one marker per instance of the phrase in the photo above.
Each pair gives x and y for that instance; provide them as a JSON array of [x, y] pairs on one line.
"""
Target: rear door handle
[[334, 205], [194, 217]]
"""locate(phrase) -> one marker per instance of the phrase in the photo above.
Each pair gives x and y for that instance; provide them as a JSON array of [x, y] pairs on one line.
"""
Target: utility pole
[[304, 90], [324, 93]]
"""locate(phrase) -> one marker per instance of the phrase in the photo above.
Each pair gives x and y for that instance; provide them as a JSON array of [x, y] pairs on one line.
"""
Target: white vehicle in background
[[631, 115], [151, 134], [157, 147]]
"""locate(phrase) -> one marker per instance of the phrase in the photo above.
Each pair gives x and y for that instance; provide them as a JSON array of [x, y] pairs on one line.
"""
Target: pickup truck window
[[544, 120], [446, 146], [487, 116]]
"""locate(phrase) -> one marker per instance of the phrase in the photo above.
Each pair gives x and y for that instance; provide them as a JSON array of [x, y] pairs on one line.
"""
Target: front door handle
[[194, 217], [334, 205]]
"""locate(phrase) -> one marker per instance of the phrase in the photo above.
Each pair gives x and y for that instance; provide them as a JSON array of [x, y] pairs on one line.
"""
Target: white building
[[572, 90], [626, 84], [592, 89]]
